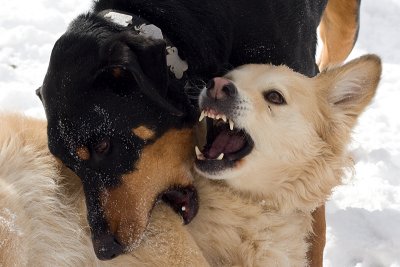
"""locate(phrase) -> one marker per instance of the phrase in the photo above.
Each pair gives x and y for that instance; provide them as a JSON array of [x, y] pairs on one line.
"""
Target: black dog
[[118, 112]]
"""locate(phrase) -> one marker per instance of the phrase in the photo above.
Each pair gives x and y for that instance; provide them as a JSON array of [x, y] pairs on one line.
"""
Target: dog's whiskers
[[193, 88]]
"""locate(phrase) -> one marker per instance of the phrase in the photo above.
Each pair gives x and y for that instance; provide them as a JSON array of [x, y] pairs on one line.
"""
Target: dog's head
[[268, 126], [112, 121]]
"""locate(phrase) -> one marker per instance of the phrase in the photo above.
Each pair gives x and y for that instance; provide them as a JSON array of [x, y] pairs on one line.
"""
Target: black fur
[[85, 100]]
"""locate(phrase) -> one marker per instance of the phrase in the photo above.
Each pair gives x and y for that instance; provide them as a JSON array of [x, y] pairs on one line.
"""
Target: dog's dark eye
[[102, 147], [274, 97]]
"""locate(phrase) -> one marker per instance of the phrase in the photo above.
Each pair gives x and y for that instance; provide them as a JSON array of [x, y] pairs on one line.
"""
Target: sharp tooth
[[203, 114], [183, 208], [231, 124], [197, 150], [218, 117], [199, 155], [221, 156], [223, 117]]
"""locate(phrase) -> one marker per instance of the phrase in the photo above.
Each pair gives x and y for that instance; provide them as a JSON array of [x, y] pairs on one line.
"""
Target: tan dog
[[259, 216], [279, 139]]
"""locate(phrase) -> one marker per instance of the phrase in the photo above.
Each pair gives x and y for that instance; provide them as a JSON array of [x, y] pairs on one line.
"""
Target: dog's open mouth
[[225, 145], [183, 201]]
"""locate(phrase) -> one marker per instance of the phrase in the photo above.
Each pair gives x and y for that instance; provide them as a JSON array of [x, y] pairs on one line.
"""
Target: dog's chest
[[235, 225]]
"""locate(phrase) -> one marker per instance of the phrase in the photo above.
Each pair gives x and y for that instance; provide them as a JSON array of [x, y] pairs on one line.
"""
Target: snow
[[363, 216], [7, 221]]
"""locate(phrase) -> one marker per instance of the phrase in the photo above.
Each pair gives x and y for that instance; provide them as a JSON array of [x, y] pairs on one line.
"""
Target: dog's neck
[[176, 65]]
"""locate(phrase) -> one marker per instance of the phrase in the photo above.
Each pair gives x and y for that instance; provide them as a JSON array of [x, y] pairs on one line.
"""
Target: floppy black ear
[[153, 61], [131, 62], [151, 55]]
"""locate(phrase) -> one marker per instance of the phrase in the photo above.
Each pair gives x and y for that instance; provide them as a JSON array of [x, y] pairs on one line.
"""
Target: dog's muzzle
[[225, 144]]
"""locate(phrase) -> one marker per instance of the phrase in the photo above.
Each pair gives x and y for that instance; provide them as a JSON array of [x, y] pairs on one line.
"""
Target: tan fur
[[317, 238], [158, 168], [338, 31], [259, 216], [234, 229], [83, 153], [143, 132]]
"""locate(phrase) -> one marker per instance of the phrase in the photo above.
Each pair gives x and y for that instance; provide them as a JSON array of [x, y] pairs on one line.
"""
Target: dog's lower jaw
[[225, 174], [221, 169], [184, 201]]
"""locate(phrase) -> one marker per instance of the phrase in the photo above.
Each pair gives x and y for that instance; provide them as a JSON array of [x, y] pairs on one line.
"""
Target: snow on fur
[[362, 215]]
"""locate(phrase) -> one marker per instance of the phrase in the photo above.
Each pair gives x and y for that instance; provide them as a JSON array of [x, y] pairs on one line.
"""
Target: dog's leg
[[338, 30], [317, 240]]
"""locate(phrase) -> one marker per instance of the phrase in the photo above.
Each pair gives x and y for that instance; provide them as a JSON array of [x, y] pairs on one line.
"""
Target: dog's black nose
[[221, 88], [107, 247]]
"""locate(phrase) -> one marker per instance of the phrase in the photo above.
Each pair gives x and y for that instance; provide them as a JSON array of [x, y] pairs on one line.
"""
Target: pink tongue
[[226, 142]]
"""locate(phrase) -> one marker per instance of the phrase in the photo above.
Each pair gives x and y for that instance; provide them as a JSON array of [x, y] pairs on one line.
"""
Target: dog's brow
[[143, 132], [83, 153]]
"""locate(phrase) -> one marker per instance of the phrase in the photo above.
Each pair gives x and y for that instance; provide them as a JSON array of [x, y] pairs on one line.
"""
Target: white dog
[[279, 139]]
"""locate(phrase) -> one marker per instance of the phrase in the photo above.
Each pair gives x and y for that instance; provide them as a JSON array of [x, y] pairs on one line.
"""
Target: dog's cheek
[[162, 165]]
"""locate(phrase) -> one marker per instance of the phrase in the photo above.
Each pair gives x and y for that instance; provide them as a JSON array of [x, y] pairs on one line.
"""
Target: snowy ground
[[363, 216]]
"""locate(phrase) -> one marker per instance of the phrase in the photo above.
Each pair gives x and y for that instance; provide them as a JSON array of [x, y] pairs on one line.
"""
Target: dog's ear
[[346, 92], [352, 86], [130, 63], [130, 49], [153, 62]]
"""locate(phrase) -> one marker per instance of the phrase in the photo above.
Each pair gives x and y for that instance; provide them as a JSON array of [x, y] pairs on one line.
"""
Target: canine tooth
[[183, 208], [218, 117], [231, 124], [223, 117], [221, 156], [197, 150], [203, 114], [199, 155]]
